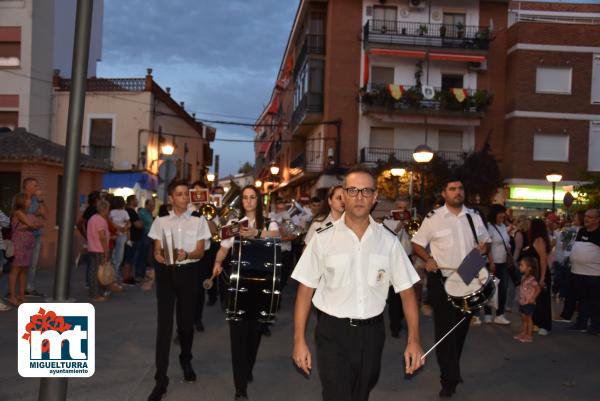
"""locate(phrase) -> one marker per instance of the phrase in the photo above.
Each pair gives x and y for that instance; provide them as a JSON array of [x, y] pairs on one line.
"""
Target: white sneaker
[[543, 332], [475, 321], [487, 318], [501, 320], [4, 307]]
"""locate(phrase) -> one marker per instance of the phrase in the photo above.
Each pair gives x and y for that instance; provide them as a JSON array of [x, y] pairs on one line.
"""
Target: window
[[381, 137], [9, 119], [452, 81], [454, 21], [551, 148], [450, 140], [596, 79], [100, 144], [594, 148], [382, 75], [384, 18], [10, 46], [553, 80]]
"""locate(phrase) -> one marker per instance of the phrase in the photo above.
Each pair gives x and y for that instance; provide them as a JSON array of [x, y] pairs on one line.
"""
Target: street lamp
[[258, 183], [210, 177], [397, 172], [167, 149], [553, 177], [274, 169], [422, 154]]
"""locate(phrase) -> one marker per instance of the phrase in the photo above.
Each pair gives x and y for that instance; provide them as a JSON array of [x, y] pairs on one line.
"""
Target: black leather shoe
[[241, 395], [157, 393], [266, 330], [447, 392], [188, 373], [199, 327]]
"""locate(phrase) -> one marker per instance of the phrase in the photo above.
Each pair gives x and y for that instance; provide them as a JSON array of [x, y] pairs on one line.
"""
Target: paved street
[[562, 366]]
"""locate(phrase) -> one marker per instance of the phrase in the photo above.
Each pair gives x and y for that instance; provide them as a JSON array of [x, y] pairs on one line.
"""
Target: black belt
[[353, 322]]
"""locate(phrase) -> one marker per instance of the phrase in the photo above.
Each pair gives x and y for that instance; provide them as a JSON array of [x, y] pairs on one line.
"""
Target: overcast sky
[[219, 57]]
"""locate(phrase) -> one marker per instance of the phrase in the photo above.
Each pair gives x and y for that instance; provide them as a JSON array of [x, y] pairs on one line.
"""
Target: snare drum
[[255, 281], [471, 297]]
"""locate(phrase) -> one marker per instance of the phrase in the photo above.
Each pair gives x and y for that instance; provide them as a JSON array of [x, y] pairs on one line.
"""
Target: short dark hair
[[117, 202], [452, 177], [176, 183], [360, 168], [130, 198], [27, 180], [495, 210], [93, 197], [199, 183], [315, 199]]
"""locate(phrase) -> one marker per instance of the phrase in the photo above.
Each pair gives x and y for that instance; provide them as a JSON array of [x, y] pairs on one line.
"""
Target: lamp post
[[553, 177], [422, 154]]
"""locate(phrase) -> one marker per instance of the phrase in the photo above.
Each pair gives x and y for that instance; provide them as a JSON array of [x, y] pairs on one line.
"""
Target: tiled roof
[[20, 145]]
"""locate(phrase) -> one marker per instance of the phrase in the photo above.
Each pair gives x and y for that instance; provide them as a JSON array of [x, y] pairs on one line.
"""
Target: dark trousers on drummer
[[348, 357], [245, 340], [445, 316], [175, 285]]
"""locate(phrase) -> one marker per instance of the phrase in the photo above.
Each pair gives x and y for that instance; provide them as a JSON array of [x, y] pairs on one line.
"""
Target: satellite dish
[[428, 92]]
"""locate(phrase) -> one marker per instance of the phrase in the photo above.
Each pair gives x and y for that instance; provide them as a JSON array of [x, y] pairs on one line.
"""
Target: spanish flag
[[396, 91], [460, 94]]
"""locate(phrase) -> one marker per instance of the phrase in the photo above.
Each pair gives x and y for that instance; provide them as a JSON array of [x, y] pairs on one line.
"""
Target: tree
[[246, 168], [481, 176], [589, 194]]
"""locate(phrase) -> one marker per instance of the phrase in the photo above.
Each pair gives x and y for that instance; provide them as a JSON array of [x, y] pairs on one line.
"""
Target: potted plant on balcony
[[481, 100], [460, 29], [422, 29], [413, 96]]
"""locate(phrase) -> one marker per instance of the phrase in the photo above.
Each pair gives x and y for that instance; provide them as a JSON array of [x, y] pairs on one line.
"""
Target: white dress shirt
[[352, 276], [185, 230], [315, 225], [500, 242], [449, 236]]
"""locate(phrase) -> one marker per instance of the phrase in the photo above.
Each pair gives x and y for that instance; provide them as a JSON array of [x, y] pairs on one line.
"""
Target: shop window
[[555, 80], [551, 148]]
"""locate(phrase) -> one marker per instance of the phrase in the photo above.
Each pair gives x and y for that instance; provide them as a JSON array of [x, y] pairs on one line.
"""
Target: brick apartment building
[[461, 72]]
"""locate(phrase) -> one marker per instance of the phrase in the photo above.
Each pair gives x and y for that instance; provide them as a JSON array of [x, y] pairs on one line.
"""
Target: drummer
[[447, 231], [245, 334]]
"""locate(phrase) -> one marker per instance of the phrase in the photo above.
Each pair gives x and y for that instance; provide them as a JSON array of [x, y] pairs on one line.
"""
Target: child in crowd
[[528, 292]]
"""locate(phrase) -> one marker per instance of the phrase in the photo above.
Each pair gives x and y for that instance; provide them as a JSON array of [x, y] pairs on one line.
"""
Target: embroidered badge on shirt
[[380, 274]]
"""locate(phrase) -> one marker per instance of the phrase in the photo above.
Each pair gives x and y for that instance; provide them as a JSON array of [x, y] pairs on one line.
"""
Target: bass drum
[[471, 297], [255, 281]]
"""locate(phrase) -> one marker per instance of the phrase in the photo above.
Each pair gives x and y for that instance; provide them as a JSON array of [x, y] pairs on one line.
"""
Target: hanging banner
[[460, 94], [396, 91]]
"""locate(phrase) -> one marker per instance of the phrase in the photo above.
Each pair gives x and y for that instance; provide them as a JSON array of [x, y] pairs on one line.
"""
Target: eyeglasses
[[366, 192]]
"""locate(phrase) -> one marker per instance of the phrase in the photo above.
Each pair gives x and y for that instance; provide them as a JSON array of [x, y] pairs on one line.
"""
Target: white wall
[[64, 22]]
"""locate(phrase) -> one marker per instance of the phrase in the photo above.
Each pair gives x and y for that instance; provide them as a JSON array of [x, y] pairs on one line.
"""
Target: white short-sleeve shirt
[[185, 230], [314, 226], [352, 276], [449, 236]]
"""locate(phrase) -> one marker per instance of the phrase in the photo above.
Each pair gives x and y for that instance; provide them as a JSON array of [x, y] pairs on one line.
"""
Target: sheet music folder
[[470, 266]]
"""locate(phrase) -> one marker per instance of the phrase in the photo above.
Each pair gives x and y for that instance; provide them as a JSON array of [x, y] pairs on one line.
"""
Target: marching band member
[[176, 283], [329, 213], [348, 267], [245, 334], [280, 216], [450, 232]]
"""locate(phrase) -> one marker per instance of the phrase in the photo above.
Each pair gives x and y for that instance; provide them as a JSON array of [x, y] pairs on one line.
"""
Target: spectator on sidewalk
[[81, 224], [147, 217], [133, 269], [571, 295], [23, 226], [120, 220], [97, 235], [585, 264], [38, 209], [528, 292], [4, 223]]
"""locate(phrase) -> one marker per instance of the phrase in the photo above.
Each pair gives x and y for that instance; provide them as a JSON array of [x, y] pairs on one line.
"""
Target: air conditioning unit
[[478, 66], [417, 4]]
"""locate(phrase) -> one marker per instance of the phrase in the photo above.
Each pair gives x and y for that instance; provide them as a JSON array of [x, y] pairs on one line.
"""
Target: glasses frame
[[361, 191]]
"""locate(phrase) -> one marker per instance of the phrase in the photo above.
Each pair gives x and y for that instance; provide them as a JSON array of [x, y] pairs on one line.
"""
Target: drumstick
[[443, 338]]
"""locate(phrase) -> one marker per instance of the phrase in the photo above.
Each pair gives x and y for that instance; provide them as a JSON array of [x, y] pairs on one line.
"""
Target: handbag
[[511, 268], [106, 273]]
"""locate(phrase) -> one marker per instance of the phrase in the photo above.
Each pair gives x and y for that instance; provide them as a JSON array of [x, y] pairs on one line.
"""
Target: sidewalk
[[561, 366]]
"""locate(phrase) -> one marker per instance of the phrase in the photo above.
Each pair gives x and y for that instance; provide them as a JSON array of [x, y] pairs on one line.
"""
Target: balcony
[[313, 45], [309, 110], [310, 161], [416, 34], [378, 98], [382, 155], [101, 153]]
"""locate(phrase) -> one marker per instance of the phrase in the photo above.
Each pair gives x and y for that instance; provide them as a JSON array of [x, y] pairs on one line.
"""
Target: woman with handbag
[[97, 238], [499, 259]]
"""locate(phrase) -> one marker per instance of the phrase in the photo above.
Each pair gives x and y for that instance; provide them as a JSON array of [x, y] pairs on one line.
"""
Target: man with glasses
[[348, 267], [450, 233]]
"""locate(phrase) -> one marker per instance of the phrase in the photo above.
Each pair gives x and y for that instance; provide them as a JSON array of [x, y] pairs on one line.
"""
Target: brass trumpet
[[209, 211]]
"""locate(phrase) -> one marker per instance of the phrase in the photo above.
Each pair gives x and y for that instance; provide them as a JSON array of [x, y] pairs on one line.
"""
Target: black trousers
[[286, 268], [175, 285], [572, 297], [245, 339], [542, 316], [445, 316], [348, 358], [395, 310], [588, 288]]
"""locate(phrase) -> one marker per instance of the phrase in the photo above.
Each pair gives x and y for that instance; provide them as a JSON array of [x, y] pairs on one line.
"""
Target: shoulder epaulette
[[325, 227], [430, 214], [389, 229]]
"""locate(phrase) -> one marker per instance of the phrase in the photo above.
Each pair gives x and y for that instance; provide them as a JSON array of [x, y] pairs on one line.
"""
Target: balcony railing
[[427, 35], [310, 103], [378, 97], [382, 155], [107, 84], [311, 161], [313, 44], [103, 153]]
